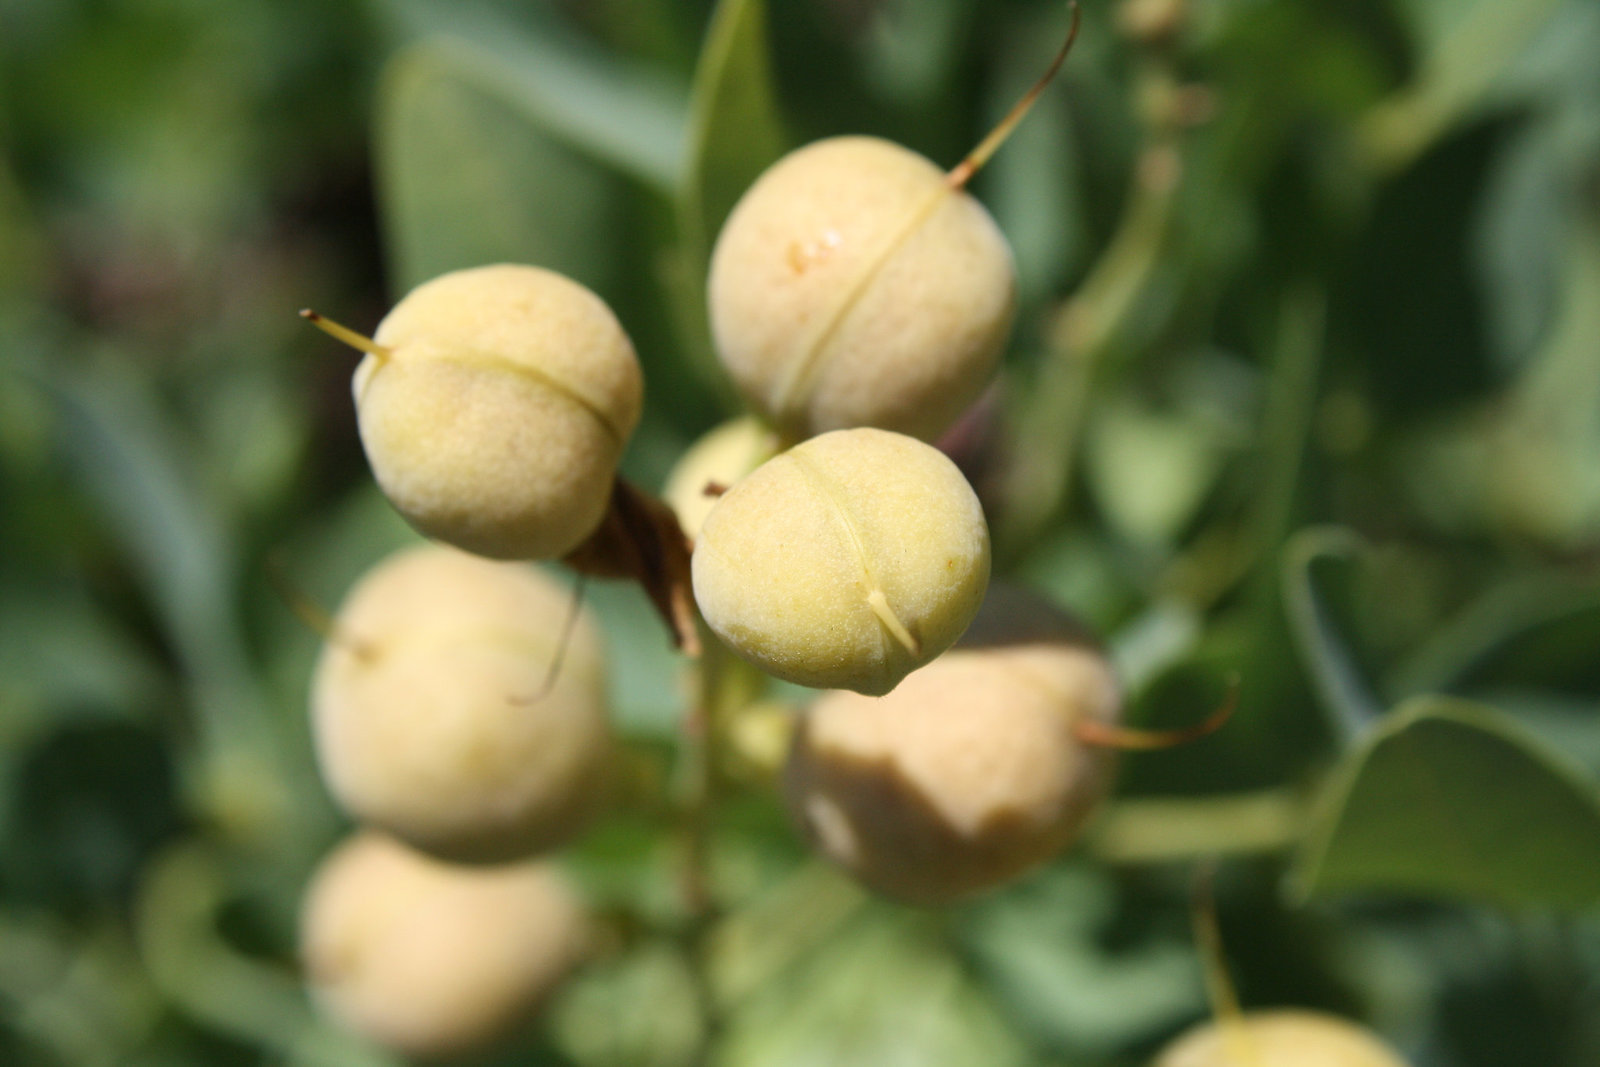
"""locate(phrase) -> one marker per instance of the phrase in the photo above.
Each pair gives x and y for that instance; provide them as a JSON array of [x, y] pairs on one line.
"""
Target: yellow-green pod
[[846, 562], [1282, 1038], [852, 285], [495, 406], [430, 959], [969, 773], [436, 715]]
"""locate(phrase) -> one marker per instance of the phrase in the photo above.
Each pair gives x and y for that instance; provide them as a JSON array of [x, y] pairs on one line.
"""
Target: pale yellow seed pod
[[721, 458], [497, 407], [1283, 1038], [969, 773], [846, 562], [853, 286], [430, 959], [435, 715]]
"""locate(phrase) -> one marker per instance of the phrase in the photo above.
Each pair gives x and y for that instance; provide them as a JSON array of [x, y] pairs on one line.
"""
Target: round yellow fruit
[[431, 959], [852, 286], [844, 563], [717, 461], [966, 775], [496, 408], [1283, 1038], [432, 715]]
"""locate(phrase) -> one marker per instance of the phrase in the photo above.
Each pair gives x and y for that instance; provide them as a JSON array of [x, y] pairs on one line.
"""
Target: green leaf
[[1464, 51], [735, 132], [133, 465], [881, 994], [1150, 470], [467, 179], [1451, 798], [1344, 691], [639, 1010], [629, 118], [1512, 622], [1041, 947]]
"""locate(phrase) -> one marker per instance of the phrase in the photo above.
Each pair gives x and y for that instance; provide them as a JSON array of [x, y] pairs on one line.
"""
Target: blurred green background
[[1305, 390]]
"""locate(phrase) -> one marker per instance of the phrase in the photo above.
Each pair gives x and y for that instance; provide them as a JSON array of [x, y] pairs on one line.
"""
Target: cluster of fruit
[[859, 298]]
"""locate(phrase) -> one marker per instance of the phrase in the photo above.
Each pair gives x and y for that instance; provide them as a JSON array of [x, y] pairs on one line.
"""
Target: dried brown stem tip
[[1107, 735], [962, 172]]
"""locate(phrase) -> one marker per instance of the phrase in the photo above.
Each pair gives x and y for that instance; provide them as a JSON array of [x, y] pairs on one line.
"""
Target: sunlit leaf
[[629, 118], [1449, 798], [467, 179]]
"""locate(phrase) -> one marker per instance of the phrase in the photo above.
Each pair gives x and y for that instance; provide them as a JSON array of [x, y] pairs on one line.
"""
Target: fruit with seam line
[[445, 710], [493, 404], [846, 562], [855, 285], [970, 772]]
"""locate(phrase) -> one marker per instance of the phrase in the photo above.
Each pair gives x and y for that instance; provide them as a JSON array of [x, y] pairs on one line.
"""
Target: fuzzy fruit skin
[[430, 959], [790, 562], [427, 711], [966, 775], [851, 286], [723, 456], [1284, 1038], [497, 417]]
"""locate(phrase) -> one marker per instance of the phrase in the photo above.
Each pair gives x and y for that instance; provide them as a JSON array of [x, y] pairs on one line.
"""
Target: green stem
[[723, 686]]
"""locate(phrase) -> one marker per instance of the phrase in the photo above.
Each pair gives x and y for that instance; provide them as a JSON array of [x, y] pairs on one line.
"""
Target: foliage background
[[1305, 389]]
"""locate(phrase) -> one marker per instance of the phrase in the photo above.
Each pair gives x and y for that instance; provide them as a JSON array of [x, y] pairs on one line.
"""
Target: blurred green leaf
[[638, 1010], [82, 994], [1568, 725], [468, 180], [61, 657], [1503, 615], [1040, 948], [22, 246], [1345, 693], [881, 993], [1450, 798], [1465, 48], [1519, 240], [130, 460], [735, 131], [204, 977], [630, 118], [1150, 470], [1546, 478], [910, 47], [780, 927], [134, 464]]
